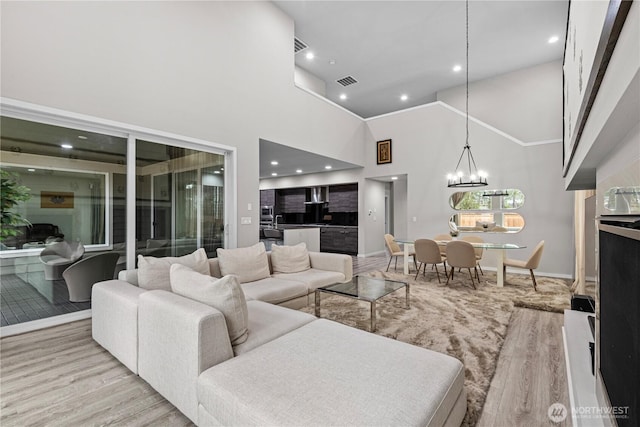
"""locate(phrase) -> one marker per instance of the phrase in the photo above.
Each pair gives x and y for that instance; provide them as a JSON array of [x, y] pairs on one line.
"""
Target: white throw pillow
[[153, 273], [290, 259], [223, 294], [249, 264]]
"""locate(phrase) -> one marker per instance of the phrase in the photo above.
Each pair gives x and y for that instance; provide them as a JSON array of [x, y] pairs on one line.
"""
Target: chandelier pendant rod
[[475, 178], [467, 74]]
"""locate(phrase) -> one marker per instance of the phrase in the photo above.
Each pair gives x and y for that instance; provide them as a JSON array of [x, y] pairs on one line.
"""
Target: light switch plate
[[245, 220]]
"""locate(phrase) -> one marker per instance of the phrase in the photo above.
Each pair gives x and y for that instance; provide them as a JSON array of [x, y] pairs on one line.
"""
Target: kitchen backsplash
[[342, 208]]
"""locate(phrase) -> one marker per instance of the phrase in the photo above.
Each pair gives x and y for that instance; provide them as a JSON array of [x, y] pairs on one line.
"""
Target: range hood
[[316, 195]]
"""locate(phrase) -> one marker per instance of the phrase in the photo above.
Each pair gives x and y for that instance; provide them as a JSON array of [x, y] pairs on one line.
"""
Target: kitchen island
[[333, 238]]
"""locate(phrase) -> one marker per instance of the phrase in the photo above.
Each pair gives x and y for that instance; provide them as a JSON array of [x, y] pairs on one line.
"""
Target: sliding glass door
[[72, 185], [179, 200]]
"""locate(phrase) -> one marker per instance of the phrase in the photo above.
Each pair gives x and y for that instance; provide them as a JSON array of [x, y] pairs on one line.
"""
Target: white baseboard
[[371, 254], [536, 272], [34, 325]]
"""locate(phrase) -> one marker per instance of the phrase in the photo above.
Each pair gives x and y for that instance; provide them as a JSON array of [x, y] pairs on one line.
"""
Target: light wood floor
[[61, 377], [531, 372]]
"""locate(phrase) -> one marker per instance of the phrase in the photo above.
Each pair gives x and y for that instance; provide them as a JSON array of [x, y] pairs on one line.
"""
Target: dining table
[[500, 249]]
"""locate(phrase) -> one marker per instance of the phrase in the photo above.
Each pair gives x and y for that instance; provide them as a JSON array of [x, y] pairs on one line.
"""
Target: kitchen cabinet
[[339, 239]]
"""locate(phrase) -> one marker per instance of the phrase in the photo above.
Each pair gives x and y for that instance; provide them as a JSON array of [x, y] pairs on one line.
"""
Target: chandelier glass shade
[[473, 177]]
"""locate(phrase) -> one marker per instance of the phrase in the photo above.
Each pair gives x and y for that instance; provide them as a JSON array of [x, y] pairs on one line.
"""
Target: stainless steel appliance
[[266, 215]]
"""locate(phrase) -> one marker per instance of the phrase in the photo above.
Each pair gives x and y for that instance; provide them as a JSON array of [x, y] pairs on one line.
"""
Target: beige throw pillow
[[249, 264], [290, 259], [222, 294], [153, 273]]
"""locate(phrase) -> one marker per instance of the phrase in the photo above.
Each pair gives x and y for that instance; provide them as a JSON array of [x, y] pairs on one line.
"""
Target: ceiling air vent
[[346, 81], [298, 45]]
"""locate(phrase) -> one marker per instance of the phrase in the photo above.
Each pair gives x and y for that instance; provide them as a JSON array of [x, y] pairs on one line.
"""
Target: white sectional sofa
[[292, 369]]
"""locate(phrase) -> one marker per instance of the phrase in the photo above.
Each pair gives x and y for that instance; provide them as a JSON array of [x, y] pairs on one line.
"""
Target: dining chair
[[395, 251], [460, 254], [478, 251], [428, 252], [443, 238], [530, 264]]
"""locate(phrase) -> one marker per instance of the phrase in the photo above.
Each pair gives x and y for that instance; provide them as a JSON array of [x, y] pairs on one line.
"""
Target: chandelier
[[473, 177]]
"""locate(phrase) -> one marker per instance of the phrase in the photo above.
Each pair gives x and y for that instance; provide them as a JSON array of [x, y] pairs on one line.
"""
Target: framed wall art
[[384, 151], [56, 199]]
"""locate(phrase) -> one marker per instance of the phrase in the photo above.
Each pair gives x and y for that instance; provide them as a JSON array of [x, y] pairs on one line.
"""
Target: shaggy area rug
[[457, 320]]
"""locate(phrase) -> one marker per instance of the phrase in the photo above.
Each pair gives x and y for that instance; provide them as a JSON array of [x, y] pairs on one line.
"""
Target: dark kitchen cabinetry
[[339, 239]]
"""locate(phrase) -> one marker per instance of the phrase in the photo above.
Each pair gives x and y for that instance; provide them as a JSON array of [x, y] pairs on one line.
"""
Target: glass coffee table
[[365, 289]]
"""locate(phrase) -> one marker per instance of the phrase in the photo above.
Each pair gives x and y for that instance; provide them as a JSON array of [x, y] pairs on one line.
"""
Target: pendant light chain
[[467, 70], [475, 178]]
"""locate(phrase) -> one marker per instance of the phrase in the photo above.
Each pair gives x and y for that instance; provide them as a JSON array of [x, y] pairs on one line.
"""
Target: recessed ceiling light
[[404, 97], [298, 170], [82, 137], [343, 96], [216, 172], [393, 178], [553, 39], [310, 55], [67, 146], [332, 62], [221, 169], [274, 174], [457, 68], [274, 163], [31, 170], [328, 167]]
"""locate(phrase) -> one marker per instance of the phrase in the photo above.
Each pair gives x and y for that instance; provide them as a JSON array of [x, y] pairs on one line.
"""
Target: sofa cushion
[[248, 264], [365, 380], [290, 259], [313, 277], [153, 273], [273, 290], [268, 322], [223, 294]]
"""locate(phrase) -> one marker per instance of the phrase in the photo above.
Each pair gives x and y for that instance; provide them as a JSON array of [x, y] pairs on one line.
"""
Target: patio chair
[[81, 276], [58, 256]]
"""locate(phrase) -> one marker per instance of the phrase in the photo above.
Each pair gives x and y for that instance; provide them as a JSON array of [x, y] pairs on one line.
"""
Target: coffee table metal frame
[[364, 288]]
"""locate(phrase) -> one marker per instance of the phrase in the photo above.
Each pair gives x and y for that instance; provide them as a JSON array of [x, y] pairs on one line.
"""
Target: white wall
[[526, 104], [622, 154], [217, 71], [427, 142], [400, 213], [373, 225], [306, 80]]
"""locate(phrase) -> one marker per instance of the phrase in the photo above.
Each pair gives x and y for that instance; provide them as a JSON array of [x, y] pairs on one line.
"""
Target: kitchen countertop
[[289, 226]]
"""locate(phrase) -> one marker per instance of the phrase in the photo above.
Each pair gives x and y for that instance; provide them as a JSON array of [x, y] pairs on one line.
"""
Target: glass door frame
[[56, 117]]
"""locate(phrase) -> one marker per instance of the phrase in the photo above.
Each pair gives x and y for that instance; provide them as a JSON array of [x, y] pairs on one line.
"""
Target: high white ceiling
[[410, 47]]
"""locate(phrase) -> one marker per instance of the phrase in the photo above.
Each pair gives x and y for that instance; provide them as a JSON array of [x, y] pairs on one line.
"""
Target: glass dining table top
[[484, 245]]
